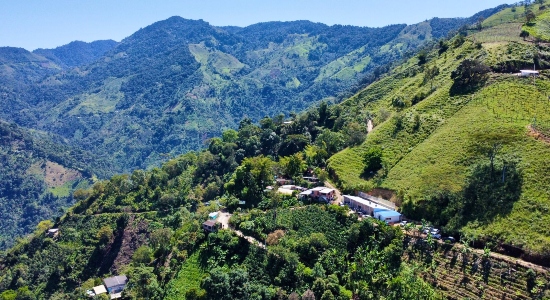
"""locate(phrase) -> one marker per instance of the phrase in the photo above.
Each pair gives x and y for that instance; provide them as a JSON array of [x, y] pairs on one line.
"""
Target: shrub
[[373, 160], [143, 255]]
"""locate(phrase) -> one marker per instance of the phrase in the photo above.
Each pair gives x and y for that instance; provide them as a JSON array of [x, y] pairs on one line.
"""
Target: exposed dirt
[[538, 135], [135, 234], [57, 175], [370, 126], [223, 218]]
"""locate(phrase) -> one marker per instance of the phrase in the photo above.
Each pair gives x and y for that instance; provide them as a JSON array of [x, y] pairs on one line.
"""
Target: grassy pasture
[[441, 152]]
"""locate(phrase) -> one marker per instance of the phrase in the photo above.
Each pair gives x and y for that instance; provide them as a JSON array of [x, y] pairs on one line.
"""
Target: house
[[315, 191], [363, 205], [100, 289], [318, 193], [213, 215], [326, 194], [209, 226], [115, 285], [305, 194], [527, 73], [53, 233], [389, 216]]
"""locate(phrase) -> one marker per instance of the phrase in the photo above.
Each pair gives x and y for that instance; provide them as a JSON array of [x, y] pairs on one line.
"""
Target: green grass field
[[508, 15], [189, 277], [541, 27], [439, 155]]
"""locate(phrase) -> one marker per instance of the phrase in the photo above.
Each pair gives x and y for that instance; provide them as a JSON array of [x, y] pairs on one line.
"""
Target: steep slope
[[77, 53], [148, 226], [474, 162], [172, 85], [120, 223], [37, 178], [19, 69]]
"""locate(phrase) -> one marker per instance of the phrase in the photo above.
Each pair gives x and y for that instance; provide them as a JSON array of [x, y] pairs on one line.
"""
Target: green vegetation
[[37, 177], [434, 149], [147, 225], [188, 279], [460, 142], [149, 98]]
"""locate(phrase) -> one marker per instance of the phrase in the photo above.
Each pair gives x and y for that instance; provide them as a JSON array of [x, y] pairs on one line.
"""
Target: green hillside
[[37, 179], [147, 225], [457, 152], [434, 149], [77, 53], [172, 85]]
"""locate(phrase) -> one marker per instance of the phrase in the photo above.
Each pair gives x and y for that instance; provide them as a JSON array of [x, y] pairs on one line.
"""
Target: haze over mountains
[[452, 135], [172, 85]]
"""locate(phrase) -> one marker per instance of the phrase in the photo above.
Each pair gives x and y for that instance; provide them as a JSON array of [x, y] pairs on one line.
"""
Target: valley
[[186, 158]]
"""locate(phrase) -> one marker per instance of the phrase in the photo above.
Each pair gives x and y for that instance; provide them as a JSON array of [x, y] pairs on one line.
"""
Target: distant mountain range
[[106, 107], [77, 53], [172, 85]]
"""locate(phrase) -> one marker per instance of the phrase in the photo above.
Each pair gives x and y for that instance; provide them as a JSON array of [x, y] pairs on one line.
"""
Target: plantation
[[459, 142], [427, 163]]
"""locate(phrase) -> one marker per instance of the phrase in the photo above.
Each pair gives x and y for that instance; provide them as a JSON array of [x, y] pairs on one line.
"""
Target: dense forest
[[172, 85], [447, 134], [77, 53], [37, 178]]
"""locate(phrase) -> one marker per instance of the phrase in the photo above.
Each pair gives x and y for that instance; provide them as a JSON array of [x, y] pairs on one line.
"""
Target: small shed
[[311, 179], [389, 216], [283, 181], [115, 284], [53, 233], [100, 289], [209, 226], [527, 73]]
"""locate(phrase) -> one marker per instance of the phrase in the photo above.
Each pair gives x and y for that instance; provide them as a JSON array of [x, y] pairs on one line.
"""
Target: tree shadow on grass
[[490, 191]]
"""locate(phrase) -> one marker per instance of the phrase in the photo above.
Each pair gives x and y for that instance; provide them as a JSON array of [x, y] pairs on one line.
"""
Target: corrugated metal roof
[[389, 213], [209, 223], [115, 280]]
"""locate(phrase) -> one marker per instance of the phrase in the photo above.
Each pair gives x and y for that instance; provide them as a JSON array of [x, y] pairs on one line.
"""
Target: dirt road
[[338, 196], [223, 218]]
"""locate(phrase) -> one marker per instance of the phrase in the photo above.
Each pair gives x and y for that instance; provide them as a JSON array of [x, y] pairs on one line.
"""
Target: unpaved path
[[370, 126], [509, 259], [223, 218], [339, 198]]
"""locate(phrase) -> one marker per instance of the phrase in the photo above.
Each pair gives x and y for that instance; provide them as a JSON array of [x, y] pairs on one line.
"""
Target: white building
[[363, 205], [527, 73], [389, 216]]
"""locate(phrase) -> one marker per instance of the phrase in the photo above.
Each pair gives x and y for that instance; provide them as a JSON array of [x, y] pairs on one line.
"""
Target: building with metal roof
[[389, 216]]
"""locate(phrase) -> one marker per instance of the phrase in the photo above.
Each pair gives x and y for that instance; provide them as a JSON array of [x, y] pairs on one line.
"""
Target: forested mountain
[[460, 139], [37, 178], [170, 86], [457, 141], [77, 53]]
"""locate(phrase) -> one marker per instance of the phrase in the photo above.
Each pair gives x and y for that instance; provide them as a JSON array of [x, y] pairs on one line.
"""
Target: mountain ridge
[[151, 77]]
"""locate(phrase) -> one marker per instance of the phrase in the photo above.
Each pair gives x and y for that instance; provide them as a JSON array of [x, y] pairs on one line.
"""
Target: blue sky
[[35, 24]]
